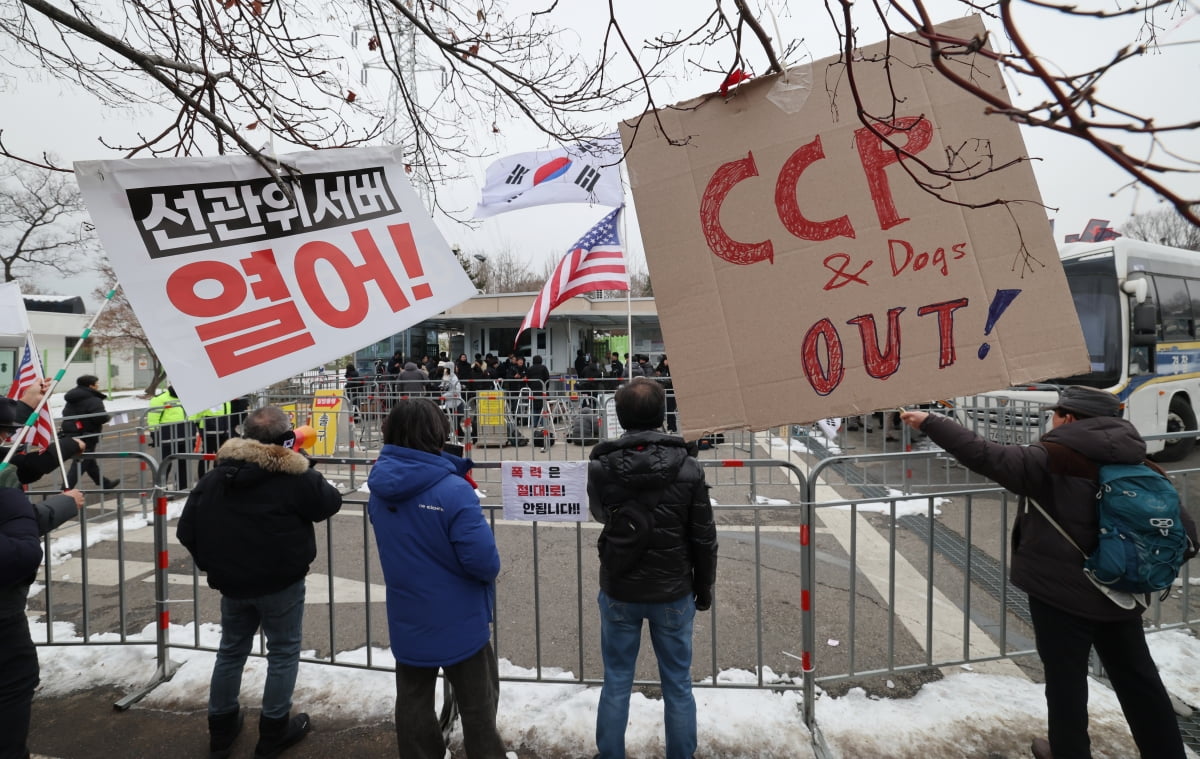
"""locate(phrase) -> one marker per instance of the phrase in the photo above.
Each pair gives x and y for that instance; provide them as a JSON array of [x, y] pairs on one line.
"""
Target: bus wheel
[[1180, 418]]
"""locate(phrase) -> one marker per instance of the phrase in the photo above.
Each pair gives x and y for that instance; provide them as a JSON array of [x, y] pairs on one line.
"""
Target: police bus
[[1139, 307]]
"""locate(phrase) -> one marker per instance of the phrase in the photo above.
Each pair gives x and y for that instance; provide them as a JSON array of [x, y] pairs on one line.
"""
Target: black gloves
[[703, 598]]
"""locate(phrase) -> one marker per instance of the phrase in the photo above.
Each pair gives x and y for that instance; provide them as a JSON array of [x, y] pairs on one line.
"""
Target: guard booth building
[[489, 324]]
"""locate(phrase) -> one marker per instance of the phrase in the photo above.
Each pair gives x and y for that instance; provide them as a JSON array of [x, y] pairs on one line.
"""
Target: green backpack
[[1142, 542]]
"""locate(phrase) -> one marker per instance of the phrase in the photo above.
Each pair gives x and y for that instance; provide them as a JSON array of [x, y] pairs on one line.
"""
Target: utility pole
[[403, 62]]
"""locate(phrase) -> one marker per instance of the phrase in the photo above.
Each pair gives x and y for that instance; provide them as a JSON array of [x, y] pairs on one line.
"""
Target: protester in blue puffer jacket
[[440, 563]]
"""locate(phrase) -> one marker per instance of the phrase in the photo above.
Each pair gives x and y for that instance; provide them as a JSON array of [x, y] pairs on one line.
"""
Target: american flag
[[594, 262], [42, 434]]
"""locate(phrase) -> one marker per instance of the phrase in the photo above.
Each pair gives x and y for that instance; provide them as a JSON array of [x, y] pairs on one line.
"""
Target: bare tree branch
[[41, 222], [230, 75]]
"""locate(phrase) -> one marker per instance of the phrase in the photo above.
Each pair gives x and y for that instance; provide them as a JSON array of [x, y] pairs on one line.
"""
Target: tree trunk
[[159, 376]]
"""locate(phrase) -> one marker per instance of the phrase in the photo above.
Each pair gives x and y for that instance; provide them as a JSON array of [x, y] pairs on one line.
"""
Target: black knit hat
[[9, 420]]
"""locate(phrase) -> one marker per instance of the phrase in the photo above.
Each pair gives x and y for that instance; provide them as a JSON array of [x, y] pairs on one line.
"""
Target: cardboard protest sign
[[799, 271], [238, 285]]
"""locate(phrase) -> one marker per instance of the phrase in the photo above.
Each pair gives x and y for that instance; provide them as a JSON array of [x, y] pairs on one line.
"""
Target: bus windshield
[[1097, 297]]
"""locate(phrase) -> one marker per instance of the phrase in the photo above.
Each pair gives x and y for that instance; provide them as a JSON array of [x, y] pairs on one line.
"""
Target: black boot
[[223, 729], [112, 484], [277, 735]]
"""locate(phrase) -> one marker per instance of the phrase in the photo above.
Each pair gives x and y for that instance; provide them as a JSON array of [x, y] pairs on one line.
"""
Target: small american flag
[[30, 372], [594, 262]]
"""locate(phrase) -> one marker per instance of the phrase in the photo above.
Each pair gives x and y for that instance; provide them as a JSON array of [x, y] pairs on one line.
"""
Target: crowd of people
[[249, 525], [456, 382], [418, 375]]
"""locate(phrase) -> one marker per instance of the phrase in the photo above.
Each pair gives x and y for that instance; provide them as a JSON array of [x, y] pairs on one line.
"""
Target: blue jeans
[[281, 615], [620, 639]]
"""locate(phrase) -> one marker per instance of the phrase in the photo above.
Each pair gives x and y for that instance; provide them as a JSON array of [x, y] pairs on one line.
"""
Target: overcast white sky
[[39, 114]]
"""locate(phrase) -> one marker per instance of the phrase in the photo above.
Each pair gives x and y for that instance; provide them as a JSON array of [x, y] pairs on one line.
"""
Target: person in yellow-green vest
[[171, 430], [216, 426]]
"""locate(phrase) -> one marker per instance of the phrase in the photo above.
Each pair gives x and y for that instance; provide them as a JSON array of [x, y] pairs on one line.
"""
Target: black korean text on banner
[[175, 219], [549, 491]]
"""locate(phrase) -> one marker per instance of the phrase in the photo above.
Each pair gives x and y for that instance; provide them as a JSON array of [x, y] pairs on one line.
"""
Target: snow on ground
[[966, 714]]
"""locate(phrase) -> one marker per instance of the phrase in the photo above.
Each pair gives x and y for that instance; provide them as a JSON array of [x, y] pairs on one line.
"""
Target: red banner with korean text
[[801, 273], [239, 283]]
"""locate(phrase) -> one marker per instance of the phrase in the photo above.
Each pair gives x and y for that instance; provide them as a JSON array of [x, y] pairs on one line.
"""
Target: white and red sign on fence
[[239, 284]]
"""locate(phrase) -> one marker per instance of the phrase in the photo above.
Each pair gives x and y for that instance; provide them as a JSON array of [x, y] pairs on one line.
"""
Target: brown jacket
[[1044, 564]]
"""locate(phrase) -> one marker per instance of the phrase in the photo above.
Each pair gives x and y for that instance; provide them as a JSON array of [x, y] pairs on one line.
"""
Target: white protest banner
[[799, 271], [545, 491], [14, 320], [238, 285]]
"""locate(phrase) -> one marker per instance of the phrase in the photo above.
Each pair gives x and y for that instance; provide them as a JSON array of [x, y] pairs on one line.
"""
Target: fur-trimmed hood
[[268, 457]]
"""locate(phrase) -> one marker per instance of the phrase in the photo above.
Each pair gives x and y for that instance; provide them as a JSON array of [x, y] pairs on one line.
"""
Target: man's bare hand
[[33, 394], [914, 418], [78, 496], [82, 443]]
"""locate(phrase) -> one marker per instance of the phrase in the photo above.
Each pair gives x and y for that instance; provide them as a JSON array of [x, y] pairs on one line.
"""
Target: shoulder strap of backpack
[[1057, 526], [1067, 462]]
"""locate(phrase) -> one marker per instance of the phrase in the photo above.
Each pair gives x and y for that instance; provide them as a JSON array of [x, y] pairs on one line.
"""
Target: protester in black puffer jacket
[[647, 479], [248, 524], [32, 464], [1044, 564], [682, 555], [22, 524], [1070, 614], [84, 417]]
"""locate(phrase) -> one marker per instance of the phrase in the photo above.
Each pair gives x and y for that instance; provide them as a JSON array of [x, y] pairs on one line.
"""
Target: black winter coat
[[248, 523], [86, 403], [539, 377], [1044, 564], [22, 524], [20, 550], [682, 554]]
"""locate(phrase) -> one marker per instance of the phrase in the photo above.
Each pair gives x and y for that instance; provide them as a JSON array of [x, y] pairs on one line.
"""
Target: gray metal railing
[[902, 586]]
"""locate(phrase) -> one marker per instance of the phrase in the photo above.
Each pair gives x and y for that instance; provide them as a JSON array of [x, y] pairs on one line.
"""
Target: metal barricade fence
[[915, 587], [545, 615], [490, 422], [89, 576], [917, 579]]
